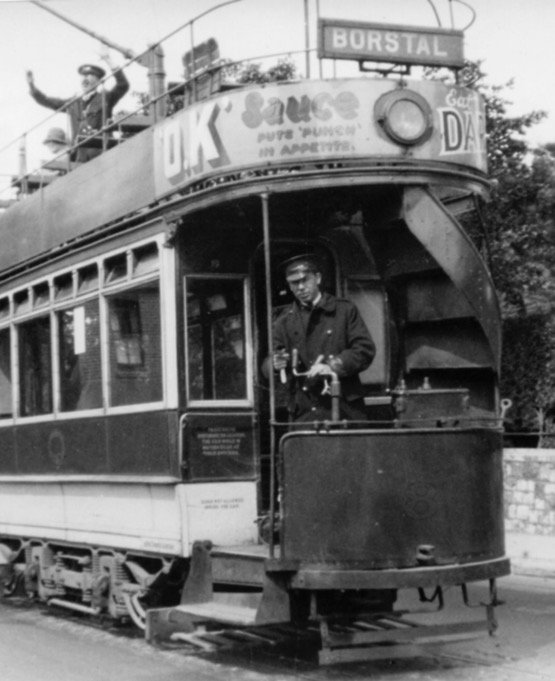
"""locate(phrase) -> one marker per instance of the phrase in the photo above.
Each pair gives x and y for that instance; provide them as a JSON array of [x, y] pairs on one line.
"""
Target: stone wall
[[530, 509]]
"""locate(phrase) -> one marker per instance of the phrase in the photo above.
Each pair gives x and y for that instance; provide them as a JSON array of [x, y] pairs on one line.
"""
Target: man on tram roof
[[92, 109]]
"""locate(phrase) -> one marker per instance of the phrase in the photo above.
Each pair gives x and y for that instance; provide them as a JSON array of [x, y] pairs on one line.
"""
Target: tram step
[[226, 586], [226, 613], [388, 637], [230, 566]]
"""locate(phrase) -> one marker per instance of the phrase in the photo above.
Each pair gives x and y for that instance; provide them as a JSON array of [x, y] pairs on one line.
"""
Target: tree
[[251, 72], [519, 220], [524, 250], [519, 215]]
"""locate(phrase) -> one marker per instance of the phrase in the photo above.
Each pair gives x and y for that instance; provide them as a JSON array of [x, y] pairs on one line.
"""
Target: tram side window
[[35, 371], [80, 364], [216, 347], [135, 346], [5, 375]]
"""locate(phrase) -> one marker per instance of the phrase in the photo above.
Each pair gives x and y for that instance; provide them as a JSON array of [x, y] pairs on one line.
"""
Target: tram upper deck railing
[[205, 135], [202, 77], [151, 109]]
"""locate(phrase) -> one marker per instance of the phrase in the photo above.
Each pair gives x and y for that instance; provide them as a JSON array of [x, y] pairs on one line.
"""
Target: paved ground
[[40, 646], [531, 555]]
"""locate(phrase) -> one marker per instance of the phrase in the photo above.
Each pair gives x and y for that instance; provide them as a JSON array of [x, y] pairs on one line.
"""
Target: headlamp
[[405, 116]]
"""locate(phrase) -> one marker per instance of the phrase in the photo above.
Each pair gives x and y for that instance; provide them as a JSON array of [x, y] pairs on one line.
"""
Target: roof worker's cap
[[55, 135], [91, 70], [300, 265]]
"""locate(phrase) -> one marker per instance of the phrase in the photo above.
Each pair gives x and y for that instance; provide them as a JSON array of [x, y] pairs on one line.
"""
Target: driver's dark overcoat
[[334, 328]]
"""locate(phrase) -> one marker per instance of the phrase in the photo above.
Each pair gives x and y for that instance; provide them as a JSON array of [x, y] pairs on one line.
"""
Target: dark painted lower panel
[[143, 444], [7, 451], [389, 499], [132, 444]]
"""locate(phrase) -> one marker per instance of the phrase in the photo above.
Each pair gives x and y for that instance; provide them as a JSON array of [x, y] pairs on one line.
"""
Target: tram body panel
[[312, 121], [224, 513], [149, 518], [393, 498], [126, 444]]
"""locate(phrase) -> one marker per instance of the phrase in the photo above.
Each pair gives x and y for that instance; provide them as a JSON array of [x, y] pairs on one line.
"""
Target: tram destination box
[[394, 44]]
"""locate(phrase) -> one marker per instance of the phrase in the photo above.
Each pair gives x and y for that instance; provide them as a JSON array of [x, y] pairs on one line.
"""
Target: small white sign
[[79, 336]]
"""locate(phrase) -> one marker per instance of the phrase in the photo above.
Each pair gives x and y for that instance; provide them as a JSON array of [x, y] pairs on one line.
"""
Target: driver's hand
[[280, 360], [318, 369]]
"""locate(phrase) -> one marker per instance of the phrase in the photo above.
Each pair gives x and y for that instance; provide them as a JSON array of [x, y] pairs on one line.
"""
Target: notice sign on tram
[[387, 43]]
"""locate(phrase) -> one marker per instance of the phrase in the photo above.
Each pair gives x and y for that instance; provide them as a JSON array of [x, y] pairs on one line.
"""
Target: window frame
[[14, 368], [133, 371], [248, 401], [27, 319], [163, 273]]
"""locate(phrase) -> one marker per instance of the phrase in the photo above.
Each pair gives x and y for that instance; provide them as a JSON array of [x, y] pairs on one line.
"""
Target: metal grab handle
[[295, 362], [506, 404], [333, 388]]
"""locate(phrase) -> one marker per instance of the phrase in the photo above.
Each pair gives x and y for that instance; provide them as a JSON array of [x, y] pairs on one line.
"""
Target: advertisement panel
[[315, 121]]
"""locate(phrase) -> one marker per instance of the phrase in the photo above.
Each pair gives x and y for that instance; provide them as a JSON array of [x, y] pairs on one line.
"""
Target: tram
[[147, 470]]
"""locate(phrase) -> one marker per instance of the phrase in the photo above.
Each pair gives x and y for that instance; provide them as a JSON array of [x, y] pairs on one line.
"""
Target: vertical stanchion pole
[[306, 39], [23, 156], [271, 377], [320, 60], [192, 33], [23, 164]]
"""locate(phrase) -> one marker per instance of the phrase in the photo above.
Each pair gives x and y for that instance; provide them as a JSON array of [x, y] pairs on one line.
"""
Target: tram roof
[[252, 138]]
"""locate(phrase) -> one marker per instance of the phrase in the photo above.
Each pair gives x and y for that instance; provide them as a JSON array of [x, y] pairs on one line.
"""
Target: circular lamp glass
[[405, 116], [406, 120]]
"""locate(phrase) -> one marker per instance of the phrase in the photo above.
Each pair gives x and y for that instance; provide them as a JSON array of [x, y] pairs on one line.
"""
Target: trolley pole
[[128, 54], [152, 59]]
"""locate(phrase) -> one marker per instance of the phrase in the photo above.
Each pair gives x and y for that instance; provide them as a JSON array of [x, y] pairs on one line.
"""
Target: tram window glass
[[115, 268], [216, 345], [135, 346], [63, 286], [41, 294], [21, 302], [35, 375], [4, 308], [80, 363], [145, 260], [87, 279], [5, 375]]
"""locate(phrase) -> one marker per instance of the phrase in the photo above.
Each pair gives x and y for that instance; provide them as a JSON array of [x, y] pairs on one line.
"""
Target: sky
[[513, 38]]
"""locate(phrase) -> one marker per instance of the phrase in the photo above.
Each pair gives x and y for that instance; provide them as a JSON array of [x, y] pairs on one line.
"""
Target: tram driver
[[320, 334]]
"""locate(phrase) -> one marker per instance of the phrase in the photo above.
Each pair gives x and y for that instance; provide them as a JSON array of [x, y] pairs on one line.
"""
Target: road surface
[[36, 645]]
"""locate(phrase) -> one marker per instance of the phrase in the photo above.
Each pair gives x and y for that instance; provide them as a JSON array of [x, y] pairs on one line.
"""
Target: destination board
[[390, 43]]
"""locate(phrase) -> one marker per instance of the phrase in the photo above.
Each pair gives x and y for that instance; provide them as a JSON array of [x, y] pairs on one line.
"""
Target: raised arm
[[54, 103], [122, 84]]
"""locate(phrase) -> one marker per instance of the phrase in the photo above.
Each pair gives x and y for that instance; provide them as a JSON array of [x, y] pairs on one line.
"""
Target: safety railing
[[152, 108]]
